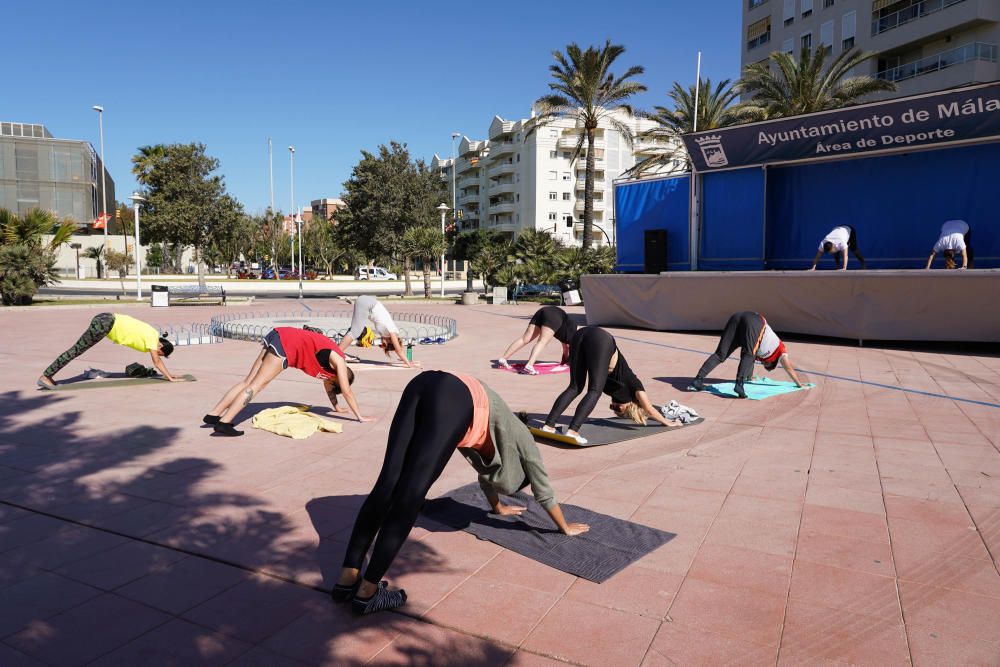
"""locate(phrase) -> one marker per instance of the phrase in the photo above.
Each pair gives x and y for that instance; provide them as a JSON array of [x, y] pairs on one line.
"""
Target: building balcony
[[468, 197], [969, 53], [599, 182], [501, 169], [578, 207], [501, 148], [502, 207], [569, 141], [468, 182], [930, 20], [504, 187], [469, 224]]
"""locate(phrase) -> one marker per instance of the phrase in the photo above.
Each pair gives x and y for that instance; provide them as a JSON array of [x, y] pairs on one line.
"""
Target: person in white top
[[837, 243], [955, 237], [368, 308]]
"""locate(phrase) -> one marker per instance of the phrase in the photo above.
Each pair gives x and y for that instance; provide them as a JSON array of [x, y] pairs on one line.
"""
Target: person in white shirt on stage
[[955, 237], [837, 243]]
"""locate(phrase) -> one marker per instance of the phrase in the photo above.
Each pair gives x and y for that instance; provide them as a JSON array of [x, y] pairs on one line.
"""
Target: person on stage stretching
[[438, 413], [120, 329], [594, 360], [312, 353], [955, 237], [368, 308], [547, 323], [757, 341], [837, 243]]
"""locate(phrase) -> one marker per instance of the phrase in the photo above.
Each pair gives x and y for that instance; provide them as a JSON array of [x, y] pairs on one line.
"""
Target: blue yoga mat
[[757, 390]]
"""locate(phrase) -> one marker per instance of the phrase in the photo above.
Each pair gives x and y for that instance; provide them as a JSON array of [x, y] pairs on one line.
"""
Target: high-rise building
[[58, 175], [515, 180], [922, 45], [326, 208]]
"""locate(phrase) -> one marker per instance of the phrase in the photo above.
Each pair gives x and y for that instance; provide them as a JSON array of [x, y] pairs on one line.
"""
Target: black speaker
[[655, 257]]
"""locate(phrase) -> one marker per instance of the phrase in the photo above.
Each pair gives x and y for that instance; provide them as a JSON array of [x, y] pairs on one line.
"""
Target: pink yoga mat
[[543, 368]]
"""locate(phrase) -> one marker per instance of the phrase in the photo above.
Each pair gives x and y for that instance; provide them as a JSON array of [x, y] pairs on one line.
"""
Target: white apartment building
[[514, 181]]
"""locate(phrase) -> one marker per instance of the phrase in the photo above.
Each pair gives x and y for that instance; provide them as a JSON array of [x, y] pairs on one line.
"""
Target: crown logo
[[712, 151], [711, 138]]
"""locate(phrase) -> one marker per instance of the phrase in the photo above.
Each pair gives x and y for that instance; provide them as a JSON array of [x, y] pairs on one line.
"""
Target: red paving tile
[[731, 611], [183, 585], [38, 597], [176, 643], [849, 590], [932, 648], [635, 589], [331, 634], [849, 523], [815, 634], [424, 644], [501, 611], [732, 566], [948, 612], [765, 536], [845, 552], [677, 644]]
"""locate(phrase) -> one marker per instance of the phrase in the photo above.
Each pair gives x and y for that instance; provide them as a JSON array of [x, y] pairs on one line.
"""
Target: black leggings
[[589, 357], [433, 415], [741, 331]]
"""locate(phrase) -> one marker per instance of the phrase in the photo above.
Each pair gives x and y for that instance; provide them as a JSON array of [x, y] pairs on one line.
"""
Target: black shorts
[[555, 318], [852, 240], [272, 343]]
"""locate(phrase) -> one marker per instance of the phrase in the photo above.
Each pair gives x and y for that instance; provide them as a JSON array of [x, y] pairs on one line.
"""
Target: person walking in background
[[955, 237], [837, 243]]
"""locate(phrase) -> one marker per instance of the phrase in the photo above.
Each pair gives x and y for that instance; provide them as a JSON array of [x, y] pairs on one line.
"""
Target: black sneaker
[[738, 388], [226, 428], [383, 600], [696, 385], [211, 420]]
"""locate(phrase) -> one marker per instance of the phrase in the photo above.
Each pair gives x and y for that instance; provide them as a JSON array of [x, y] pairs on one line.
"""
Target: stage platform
[[909, 305]]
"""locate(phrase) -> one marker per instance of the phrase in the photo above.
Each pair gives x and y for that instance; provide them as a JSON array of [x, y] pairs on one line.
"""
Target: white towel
[[677, 412]]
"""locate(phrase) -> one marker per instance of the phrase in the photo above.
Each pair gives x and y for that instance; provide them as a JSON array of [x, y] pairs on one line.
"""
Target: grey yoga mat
[[597, 555], [120, 382], [604, 431]]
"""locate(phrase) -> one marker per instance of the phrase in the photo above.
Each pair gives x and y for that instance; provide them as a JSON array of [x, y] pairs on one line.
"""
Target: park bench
[[196, 294]]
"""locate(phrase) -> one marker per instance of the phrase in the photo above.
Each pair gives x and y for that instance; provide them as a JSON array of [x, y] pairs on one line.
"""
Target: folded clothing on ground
[[676, 411], [293, 421]]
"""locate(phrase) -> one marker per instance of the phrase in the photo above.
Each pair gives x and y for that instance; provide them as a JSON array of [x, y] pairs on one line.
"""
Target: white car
[[375, 273]]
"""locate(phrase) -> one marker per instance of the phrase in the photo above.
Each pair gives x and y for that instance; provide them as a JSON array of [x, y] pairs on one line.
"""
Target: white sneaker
[[502, 363]]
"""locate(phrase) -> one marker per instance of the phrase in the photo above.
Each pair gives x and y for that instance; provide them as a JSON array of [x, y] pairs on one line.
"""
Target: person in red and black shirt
[[757, 341], [312, 353]]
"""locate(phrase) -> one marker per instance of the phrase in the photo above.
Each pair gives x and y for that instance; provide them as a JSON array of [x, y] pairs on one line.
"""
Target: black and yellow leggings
[[99, 327]]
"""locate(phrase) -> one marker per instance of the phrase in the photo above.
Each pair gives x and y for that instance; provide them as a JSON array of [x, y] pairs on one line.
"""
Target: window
[[566, 196], [755, 3], [566, 155], [553, 196], [789, 21], [569, 220], [553, 154], [553, 175], [567, 176], [828, 3], [848, 29], [807, 40], [826, 35], [759, 33], [788, 46], [847, 44], [554, 134], [807, 8], [553, 216]]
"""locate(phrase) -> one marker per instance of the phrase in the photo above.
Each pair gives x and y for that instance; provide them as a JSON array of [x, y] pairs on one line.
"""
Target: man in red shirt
[[312, 353]]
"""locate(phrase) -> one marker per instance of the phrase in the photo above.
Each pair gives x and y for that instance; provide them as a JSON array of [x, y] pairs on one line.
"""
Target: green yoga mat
[[756, 390], [119, 382]]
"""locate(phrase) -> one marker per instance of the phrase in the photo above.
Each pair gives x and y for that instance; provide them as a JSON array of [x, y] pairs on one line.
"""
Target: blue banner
[[942, 118]]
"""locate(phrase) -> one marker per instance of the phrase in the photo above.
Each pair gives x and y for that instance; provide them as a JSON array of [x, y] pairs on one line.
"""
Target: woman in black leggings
[[594, 359], [438, 413]]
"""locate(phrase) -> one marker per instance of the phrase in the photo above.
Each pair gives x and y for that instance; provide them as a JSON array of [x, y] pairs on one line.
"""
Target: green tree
[[32, 226], [271, 240], [424, 243], [717, 108], [585, 91], [467, 246], [572, 263], [491, 259], [154, 256], [325, 245], [806, 84], [231, 237], [120, 263], [27, 261], [96, 253], [185, 200]]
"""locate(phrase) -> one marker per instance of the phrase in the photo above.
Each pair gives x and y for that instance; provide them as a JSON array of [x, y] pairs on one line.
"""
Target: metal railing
[[939, 61], [419, 325], [196, 333], [912, 13]]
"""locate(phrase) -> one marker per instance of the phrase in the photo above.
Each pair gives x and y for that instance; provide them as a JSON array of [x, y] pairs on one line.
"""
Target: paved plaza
[[854, 523]]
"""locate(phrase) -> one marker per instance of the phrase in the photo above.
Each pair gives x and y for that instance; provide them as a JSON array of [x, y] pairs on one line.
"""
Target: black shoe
[[211, 420], [696, 385], [738, 388], [226, 428], [383, 600], [345, 593]]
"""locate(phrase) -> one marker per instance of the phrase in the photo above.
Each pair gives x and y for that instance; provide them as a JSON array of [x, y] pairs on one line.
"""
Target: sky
[[331, 78]]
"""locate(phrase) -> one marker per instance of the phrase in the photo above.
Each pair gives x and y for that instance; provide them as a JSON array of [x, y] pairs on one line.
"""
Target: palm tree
[[96, 253], [427, 243], [144, 161], [585, 91], [717, 107], [806, 85], [29, 228]]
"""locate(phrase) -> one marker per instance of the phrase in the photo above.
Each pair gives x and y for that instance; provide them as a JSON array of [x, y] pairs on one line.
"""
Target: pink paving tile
[[616, 508], [831, 496], [816, 634], [949, 612], [922, 537], [112, 568], [734, 612], [635, 589], [732, 566], [790, 487], [38, 597], [845, 552], [331, 634], [946, 570], [575, 631], [672, 498], [851, 590], [426, 574], [256, 608], [261, 657], [678, 644], [424, 644], [183, 585], [500, 611], [936, 491], [916, 509], [513, 567], [635, 491], [88, 631], [765, 536], [749, 508], [835, 521], [932, 648], [845, 480], [177, 643], [525, 659]]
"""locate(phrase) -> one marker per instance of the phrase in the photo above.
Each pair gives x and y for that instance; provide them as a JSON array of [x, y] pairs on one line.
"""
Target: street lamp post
[[104, 179], [454, 193], [444, 210], [298, 224], [136, 198], [291, 208]]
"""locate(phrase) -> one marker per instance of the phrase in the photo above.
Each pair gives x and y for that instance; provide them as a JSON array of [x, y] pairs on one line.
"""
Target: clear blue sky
[[330, 78]]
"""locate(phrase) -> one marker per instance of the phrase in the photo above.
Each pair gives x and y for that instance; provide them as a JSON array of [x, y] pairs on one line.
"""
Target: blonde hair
[[634, 412]]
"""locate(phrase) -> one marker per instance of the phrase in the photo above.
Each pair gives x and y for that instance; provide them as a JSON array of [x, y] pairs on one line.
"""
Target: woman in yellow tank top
[[120, 329]]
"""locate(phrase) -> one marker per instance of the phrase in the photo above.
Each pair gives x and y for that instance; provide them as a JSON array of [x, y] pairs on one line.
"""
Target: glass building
[[58, 175]]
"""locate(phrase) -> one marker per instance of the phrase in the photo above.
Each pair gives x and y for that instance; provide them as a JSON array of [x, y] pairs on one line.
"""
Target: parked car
[[375, 273]]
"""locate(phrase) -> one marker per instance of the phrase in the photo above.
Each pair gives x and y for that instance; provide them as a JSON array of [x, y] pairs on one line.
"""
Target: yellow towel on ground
[[293, 421]]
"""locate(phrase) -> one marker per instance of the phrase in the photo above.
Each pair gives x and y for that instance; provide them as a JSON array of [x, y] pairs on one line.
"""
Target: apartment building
[[325, 208], [922, 45], [513, 180], [58, 175]]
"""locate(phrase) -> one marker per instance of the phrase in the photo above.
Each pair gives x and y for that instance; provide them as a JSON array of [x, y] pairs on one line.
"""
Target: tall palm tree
[[144, 161], [585, 90], [717, 107], [805, 85]]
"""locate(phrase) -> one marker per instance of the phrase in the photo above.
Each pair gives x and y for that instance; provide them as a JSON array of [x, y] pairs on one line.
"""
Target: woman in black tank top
[[547, 323]]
